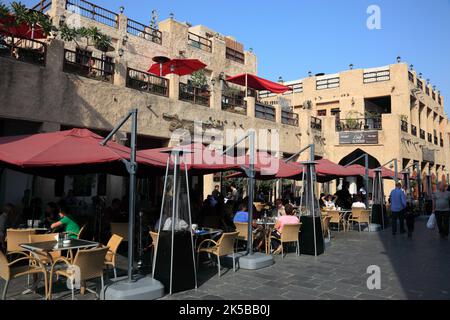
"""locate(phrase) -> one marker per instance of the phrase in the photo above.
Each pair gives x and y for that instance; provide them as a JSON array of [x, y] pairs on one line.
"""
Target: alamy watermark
[[374, 280], [374, 19]]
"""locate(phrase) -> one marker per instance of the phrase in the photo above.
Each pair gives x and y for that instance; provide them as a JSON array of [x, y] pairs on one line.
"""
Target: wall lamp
[[62, 20], [121, 9], [125, 39]]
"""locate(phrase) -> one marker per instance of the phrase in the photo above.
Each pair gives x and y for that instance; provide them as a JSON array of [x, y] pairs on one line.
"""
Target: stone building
[[388, 112], [56, 85]]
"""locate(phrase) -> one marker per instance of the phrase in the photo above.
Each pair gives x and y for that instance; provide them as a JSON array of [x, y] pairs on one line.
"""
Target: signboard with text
[[360, 137]]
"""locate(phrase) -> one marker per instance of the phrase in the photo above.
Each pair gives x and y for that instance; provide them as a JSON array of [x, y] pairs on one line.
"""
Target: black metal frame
[[74, 62], [42, 6], [422, 134], [94, 12], [199, 42], [289, 118], [194, 95], [229, 103], [404, 126], [145, 32], [234, 55], [147, 82], [316, 123], [265, 112], [414, 130], [19, 49], [362, 124]]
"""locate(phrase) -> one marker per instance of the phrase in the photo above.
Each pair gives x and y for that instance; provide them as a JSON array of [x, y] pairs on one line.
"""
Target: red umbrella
[[180, 67], [257, 83], [327, 167], [198, 158], [76, 151], [9, 27], [359, 170]]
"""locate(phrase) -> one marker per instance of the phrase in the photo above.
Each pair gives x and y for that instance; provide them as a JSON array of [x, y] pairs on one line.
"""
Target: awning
[[10, 27], [180, 67], [360, 171], [53, 154], [257, 83]]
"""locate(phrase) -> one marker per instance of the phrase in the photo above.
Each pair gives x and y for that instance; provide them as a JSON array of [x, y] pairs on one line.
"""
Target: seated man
[[287, 219], [258, 231], [358, 203], [70, 226]]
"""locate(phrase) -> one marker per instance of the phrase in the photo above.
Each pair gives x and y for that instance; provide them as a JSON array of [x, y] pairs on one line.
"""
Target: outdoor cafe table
[[50, 246]]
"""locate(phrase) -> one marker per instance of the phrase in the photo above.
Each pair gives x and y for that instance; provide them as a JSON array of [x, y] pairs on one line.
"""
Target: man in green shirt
[[70, 226]]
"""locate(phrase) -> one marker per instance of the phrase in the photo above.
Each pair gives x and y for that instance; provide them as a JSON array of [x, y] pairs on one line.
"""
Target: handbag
[[431, 224]]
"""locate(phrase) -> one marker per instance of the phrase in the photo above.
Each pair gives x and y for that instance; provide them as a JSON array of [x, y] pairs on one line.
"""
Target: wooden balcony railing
[[414, 130], [316, 123], [363, 124], [42, 6], [147, 82], [199, 42], [289, 118], [194, 95], [142, 31], [234, 55], [235, 104], [422, 134], [404, 126], [30, 51], [94, 12], [88, 66], [264, 111]]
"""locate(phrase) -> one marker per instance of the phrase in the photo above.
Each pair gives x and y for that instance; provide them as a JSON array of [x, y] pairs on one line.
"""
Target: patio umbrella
[[198, 158], [256, 83], [10, 27], [76, 151], [180, 67], [359, 170]]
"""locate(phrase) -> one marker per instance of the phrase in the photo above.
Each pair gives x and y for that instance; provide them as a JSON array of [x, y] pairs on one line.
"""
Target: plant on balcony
[[92, 35], [22, 14], [199, 80]]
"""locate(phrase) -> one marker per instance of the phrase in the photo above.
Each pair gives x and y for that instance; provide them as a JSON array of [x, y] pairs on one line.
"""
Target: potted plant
[[199, 80]]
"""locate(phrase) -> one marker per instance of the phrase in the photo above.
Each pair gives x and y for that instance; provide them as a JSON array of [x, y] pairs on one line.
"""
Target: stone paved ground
[[415, 268]]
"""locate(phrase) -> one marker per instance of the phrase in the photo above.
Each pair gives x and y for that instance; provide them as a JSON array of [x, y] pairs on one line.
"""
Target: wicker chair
[[336, 218], [9, 270], [90, 264], [223, 247], [14, 238], [120, 229], [360, 216], [79, 234], [42, 256], [290, 235], [113, 245]]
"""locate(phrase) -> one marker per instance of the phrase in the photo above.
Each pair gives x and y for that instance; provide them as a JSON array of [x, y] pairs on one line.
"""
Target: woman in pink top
[[287, 219]]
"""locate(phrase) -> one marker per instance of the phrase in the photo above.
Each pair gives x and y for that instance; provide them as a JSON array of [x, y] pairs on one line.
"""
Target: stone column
[[216, 94], [174, 86], [250, 106]]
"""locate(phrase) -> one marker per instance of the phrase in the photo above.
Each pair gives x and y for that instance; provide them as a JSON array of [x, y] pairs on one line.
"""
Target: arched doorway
[[358, 182]]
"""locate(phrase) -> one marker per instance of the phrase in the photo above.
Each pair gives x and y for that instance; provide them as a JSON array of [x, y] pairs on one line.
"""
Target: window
[[234, 55], [335, 111], [321, 113]]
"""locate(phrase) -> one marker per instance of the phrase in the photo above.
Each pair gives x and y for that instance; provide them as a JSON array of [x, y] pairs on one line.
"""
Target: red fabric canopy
[[360, 171], [9, 26], [76, 151], [180, 67], [197, 158], [258, 83], [327, 167]]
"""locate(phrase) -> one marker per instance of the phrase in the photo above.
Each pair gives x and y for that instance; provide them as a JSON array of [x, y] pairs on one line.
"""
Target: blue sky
[[291, 37]]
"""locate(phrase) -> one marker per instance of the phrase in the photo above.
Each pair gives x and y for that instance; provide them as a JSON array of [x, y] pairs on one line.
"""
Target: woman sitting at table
[[70, 226], [287, 219], [329, 201]]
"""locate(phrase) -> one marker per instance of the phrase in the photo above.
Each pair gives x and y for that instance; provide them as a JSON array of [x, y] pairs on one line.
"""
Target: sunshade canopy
[[258, 83], [360, 171], [180, 67], [76, 151], [9, 26]]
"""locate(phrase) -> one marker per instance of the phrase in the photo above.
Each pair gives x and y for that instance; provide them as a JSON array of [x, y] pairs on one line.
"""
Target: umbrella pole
[[251, 185]]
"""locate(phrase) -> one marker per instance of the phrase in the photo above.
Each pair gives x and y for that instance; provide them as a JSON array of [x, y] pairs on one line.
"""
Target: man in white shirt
[[358, 203]]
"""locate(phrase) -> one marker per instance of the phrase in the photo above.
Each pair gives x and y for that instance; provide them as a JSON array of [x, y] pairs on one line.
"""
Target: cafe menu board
[[358, 137]]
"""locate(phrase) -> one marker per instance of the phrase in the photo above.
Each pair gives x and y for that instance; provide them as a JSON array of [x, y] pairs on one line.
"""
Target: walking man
[[441, 208], [398, 206]]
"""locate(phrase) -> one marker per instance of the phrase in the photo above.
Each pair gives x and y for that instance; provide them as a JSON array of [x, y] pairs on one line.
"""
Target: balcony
[[147, 82], [199, 42], [94, 12], [290, 118], [234, 103], [430, 138], [29, 51], [435, 140], [142, 31], [420, 84], [410, 76], [433, 94], [422, 134], [414, 130], [264, 111], [316, 124], [195, 95], [363, 124], [87, 66]]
